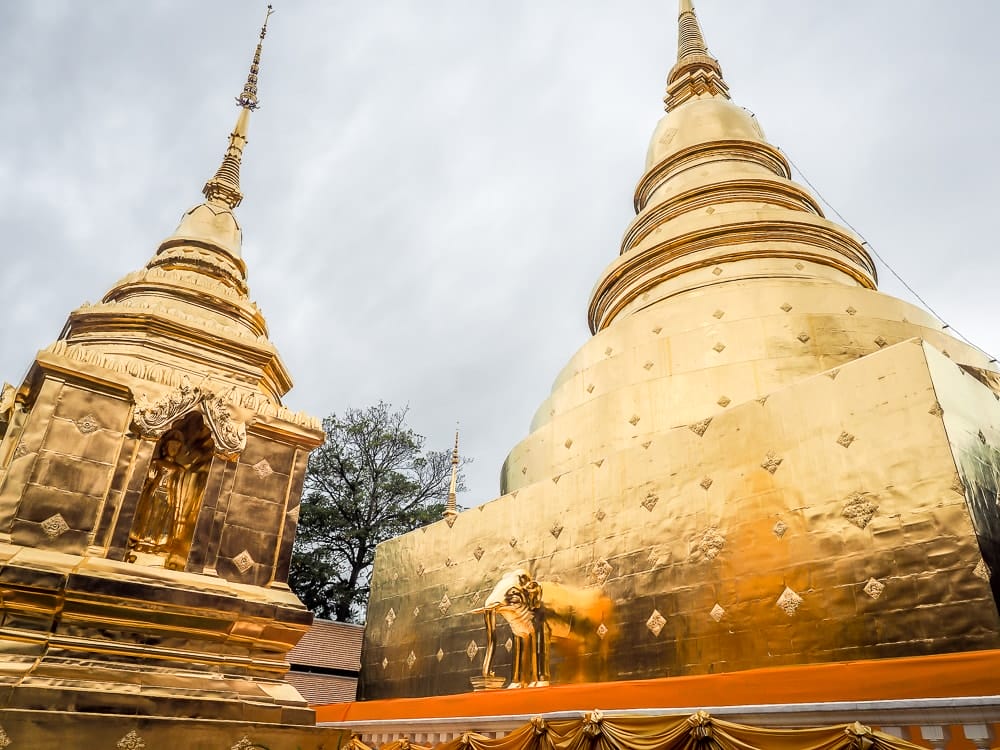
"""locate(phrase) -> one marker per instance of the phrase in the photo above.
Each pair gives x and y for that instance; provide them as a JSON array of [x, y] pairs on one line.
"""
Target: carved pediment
[[151, 420]]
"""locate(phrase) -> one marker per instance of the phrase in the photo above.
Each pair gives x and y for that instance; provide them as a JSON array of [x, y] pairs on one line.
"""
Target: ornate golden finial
[[224, 187], [696, 73], [451, 509]]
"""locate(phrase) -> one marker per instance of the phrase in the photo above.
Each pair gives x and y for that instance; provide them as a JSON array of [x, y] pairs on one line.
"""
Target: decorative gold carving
[[244, 743], [153, 420], [851, 311], [601, 571], [719, 347], [718, 314], [771, 462], [5, 740], [471, 650], [699, 428], [780, 527], [803, 337], [936, 410], [649, 365], [724, 401], [600, 515], [881, 342], [762, 400], [716, 271], [416, 611], [657, 330], [390, 617], [444, 605], [711, 543], [832, 374], [450, 518], [646, 444], [439, 655], [21, 450], [243, 561], [478, 552], [845, 439], [874, 588], [512, 541], [717, 612], [799, 266], [786, 307], [385, 662], [590, 388], [982, 570], [87, 424], [54, 526], [598, 463], [705, 483], [262, 469], [602, 630], [656, 622], [650, 501], [411, 659], [634, 420], [450, 562], [131, 741], [789, 602], [556, 529], [608, 352], [860, 509], [569, 443], [171, 496]]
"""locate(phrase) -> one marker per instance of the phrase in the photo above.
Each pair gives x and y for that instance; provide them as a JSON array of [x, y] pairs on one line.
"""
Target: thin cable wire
[[866, 243]]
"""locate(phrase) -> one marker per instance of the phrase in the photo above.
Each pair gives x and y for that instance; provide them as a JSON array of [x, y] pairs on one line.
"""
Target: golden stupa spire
[[451, 509], [696, 73], [224, 187]]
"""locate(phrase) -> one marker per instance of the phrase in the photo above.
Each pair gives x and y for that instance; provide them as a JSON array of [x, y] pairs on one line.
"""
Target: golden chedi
[[757, 460], [149, 486]]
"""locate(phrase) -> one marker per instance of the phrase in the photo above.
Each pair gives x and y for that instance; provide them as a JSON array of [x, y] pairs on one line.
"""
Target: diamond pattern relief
[[651, 500], [411, 659], [717, 612], [602, 571], [649, 365], [478, 552], [444, 605], [243, 561], [705, 483], [512, 541], [716, 271], [54, 526], [786, 307], [600, 515], [982, 570], [556, 530], [471, 650], [851, 311], [602, 630], [936, 410], [598, 463], [799, 266], [718, 314], [699, 428], [779, 528], [845, 439], [634, 420], [244, 743], [711, 544], [608, 351], [508, 644], [439, 655], [803, 337], [590, 388], [874, 588], [416, 611], [724, 401], [656, 622], [385, 662], [880, 342], [859, 509], [87, 424], [647, 443], [568, 443], [771, 462], [789, 601], [657, 330], [832, 374], [719, 346], [262, 469], [390, 617], [131, 741]]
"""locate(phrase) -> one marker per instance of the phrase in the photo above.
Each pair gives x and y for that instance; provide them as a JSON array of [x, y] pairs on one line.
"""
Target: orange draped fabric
[[938, 676]]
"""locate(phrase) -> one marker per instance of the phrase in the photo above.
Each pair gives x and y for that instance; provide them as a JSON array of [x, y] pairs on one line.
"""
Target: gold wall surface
[[825, 522]]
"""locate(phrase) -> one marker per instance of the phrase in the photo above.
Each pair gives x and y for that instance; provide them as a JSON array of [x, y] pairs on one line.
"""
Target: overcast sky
[[432, 187]]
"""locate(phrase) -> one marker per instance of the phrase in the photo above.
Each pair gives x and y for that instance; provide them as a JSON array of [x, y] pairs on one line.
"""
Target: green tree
[[370, 481]]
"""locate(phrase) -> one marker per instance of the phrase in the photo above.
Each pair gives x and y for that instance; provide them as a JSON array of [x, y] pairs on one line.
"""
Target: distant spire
[[696, 73], [224, 187], [451, 509]]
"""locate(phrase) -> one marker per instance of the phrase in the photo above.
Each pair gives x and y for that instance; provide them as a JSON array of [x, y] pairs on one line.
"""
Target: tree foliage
[[371, 480]]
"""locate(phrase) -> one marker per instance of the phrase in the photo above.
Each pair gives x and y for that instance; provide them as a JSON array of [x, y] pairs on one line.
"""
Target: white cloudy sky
[[434, 185]]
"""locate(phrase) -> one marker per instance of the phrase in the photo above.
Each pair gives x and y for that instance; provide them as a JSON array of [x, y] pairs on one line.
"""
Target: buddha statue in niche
[[172, 493]]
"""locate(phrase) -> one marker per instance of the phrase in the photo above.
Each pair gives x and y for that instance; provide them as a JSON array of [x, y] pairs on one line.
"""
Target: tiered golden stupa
[[149, 489], [758, 461]]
